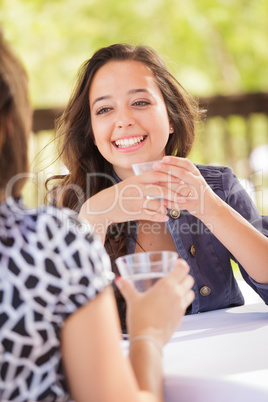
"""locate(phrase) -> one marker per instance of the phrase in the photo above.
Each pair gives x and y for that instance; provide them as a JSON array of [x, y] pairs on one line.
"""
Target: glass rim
[[125, 258], [145, 163]]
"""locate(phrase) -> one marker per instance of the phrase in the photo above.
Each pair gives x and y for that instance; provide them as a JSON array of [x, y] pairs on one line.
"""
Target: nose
[[124, 119], [121, 124]]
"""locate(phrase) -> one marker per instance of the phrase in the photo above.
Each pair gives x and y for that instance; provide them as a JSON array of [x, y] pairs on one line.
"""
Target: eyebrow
[[101, 98], [130, 92], [135, 91]]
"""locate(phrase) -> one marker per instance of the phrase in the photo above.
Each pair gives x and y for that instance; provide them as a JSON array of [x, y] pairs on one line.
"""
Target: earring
[[171, 129]]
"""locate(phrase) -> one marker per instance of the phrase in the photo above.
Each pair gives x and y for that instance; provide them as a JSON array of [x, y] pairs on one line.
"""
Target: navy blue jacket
[[210, 262]]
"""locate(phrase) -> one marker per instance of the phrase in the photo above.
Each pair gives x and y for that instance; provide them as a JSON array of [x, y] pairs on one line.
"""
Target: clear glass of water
[[144, 269], [139, 168]]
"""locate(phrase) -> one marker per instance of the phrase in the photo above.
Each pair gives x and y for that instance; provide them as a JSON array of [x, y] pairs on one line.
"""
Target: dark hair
[[13, 127], [74, 131]]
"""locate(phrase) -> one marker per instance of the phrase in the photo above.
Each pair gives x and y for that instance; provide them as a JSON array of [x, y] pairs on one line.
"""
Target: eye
[[103, 110], [141, 103]]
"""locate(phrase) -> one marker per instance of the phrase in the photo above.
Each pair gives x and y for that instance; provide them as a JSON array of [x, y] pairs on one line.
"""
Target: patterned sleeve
[[76, 259]]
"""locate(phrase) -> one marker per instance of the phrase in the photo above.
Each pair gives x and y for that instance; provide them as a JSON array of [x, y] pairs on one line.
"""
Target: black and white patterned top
[[50, 265]]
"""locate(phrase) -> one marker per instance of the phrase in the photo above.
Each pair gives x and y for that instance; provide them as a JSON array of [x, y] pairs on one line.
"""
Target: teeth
[[126, 143]]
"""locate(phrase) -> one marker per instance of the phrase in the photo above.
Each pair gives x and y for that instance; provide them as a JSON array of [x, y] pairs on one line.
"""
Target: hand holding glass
[[140, 168]]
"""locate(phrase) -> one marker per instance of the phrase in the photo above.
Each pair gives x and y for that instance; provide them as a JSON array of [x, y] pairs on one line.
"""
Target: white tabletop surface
[[219, 356]]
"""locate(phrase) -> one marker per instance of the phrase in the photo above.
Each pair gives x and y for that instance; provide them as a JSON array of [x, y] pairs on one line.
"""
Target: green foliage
[[212, 46]]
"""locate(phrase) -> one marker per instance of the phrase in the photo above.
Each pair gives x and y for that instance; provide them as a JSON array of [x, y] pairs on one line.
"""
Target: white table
[[219, 356]]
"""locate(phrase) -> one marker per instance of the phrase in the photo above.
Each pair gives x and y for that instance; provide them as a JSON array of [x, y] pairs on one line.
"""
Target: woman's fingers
[[126, 288], [180, 277], [174, 185], [180, 163], [165, 182], [181, 171], [189, 298], [171, 192], [144, 197], [186, 189], [180, 271], [185, 282]]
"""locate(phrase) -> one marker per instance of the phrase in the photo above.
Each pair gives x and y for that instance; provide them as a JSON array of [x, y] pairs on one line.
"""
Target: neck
[[123, 173]]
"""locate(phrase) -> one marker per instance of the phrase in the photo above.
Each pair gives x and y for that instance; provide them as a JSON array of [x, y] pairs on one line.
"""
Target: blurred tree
[[212, 46]]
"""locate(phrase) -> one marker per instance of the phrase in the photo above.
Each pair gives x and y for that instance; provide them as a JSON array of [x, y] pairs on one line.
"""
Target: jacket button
[[205, 291], [175, 213], [193, 250]]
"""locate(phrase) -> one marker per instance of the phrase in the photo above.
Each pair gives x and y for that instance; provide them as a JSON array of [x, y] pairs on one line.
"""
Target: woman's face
[[129, 116]]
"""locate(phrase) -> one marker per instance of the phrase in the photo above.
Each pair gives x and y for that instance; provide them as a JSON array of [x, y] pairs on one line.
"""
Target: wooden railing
[[219, 109], [223, 106]]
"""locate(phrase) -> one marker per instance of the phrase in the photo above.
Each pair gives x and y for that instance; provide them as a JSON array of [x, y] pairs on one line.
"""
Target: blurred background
[[217, 49]]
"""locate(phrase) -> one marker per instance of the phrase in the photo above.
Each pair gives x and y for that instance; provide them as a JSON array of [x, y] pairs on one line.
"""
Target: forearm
[[146, 361], [247, 245], [98, 221]]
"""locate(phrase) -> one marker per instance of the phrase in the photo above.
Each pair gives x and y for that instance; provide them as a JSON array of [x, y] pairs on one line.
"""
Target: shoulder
[[62, 218], [51, 222], [213, 173], [234, 192], [73, 266], [219, 178], [54, 230], [77, 253]]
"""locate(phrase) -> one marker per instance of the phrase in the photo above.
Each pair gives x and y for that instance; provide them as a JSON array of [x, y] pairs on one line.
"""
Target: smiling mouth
[[129, 142]]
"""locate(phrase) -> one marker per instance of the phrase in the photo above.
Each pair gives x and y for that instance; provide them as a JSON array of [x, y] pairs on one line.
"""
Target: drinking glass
[[139, 168], [144, 269]]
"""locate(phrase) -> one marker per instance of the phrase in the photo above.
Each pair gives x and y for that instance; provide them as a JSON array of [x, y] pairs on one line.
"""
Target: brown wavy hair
[[74, 131], [13, 126]]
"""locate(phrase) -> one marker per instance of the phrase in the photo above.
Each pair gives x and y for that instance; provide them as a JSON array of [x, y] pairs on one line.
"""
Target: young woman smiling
[[127, 108]]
